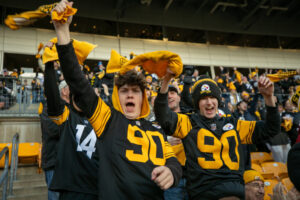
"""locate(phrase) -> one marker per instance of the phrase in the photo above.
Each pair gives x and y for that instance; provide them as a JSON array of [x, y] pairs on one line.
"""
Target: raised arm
[[165, 117], [253, 132], [85, 97], [54, 103]]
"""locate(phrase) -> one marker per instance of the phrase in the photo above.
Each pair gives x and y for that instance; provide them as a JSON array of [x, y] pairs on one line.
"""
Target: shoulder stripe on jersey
[[246, 130], [96, 113], [183, 126], [168, 151], [100, 117], [61, 118]]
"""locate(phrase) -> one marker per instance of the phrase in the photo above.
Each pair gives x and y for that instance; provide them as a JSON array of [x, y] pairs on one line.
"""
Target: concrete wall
[[26, 40], [29, 129]]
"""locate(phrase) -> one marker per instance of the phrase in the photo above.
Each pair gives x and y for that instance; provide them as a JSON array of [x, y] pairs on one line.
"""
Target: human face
[[255, 190], [288, 106], [173, 101], [208, 107], [131, 99], [243, 106]]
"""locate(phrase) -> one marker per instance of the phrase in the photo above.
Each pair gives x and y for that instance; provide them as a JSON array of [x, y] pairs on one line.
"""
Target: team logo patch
[[228, 127], [205, 87], [221, 112], [213, 127]]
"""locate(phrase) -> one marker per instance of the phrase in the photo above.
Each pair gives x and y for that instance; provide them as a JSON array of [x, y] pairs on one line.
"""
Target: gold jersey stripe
[[61, 118], [168, 151], [100, 117], [183, 126], [96, 113], [245, 130]]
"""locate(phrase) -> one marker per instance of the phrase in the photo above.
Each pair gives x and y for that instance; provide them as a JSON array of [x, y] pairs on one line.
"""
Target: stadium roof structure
[[258, 23]]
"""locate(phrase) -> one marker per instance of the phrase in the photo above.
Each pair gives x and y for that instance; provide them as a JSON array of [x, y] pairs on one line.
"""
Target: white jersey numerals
[[88, 144]]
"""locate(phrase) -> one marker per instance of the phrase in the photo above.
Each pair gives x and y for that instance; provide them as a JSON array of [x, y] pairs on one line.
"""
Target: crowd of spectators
[[17, 89], [240, 98]]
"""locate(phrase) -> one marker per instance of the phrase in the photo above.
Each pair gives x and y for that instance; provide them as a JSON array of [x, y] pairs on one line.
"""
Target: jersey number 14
[[88, 144]]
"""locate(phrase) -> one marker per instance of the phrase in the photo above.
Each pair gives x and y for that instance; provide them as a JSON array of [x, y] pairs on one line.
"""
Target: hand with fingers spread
[[62, 29], [163, 177]]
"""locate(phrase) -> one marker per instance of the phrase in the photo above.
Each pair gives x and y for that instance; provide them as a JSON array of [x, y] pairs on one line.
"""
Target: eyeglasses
[[257, 185]]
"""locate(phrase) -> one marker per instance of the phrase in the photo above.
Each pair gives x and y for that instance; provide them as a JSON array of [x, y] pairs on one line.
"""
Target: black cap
[[205, 86]]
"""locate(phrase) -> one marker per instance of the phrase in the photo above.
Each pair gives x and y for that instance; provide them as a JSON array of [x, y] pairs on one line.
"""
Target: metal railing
[[14, 162], [4, 175], [18, 99]]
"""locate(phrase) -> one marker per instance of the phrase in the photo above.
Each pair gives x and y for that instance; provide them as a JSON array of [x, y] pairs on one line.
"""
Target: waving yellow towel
[[82, 50], [154, 62], [281, 75], [25, 18]]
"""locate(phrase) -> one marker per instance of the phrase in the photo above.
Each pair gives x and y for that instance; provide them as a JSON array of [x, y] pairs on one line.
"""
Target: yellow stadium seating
[[28, 152], [277, 168], [269, 185], [2, 160], [260, 157]]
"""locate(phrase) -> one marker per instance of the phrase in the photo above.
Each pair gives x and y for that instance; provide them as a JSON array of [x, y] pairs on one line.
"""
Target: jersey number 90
[[219, 150], [148, 146]]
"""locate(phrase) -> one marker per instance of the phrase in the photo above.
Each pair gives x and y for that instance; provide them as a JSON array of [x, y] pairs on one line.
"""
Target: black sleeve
[[54, 103], [176, 169], [267, 129], [85, 97], [186, 95], [164, 116]]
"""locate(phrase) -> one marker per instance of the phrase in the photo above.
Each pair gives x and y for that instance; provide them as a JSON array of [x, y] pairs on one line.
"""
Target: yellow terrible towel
[[25, 18], [82, 50], [154, 62], [281, 75]]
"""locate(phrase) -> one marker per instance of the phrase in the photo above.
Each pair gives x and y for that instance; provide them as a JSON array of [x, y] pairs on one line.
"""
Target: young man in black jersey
[[212, 143], [77, 161], [135, 161]]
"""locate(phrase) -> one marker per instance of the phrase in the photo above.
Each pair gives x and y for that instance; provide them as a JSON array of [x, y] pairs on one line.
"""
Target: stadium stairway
[[30, 185]]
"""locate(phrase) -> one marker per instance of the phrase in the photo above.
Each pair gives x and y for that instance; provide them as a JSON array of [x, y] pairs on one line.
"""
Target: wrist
[[269, 100], [63, 36]]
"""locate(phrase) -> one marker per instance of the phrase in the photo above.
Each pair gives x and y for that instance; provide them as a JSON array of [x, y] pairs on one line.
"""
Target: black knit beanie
[[293, 165], [205, 86]]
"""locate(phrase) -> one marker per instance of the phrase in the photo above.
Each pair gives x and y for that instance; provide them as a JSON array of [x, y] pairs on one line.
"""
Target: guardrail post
[[14, 162], [4, 176]]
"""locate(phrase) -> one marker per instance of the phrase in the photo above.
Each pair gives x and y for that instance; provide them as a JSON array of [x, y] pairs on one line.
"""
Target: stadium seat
[[2, 160], [257, 167], [260, 157], [269, 185], [277, 168], [28, 152], [287, 183]]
